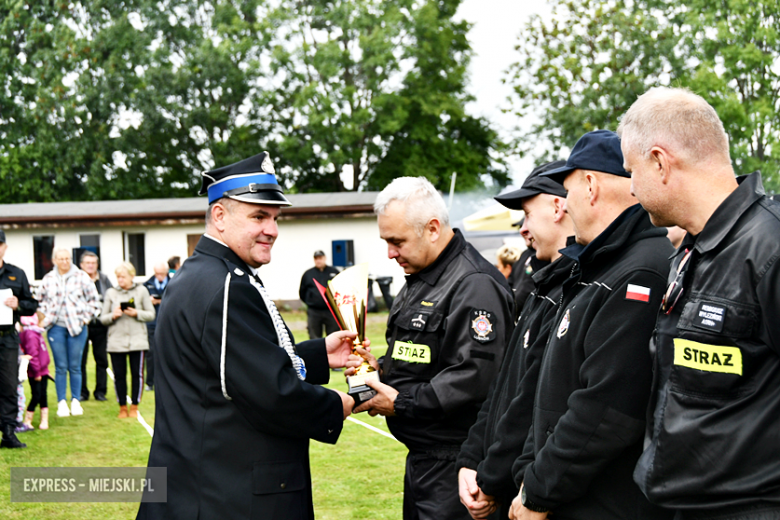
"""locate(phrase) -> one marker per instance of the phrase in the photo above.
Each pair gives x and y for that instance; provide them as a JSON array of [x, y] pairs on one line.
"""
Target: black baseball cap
[[534, 184], [598, 151], [318, 252]]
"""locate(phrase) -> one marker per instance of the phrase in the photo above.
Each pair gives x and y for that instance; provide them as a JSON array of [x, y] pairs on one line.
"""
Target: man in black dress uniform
[[236, 399], [317, 313], [23, 304]]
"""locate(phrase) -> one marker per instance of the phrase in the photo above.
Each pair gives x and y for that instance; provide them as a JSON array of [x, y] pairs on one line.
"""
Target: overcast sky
[[493, 37]]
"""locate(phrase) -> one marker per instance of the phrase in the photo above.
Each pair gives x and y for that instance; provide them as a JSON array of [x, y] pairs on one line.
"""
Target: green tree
[[133, 99], [377, 87], [582, 70]]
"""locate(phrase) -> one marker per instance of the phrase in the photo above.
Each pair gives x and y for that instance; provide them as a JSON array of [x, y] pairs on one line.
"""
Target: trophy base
[[359, 390]]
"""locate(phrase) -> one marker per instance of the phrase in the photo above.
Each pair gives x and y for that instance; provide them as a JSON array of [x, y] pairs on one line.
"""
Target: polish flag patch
[[637, 293]]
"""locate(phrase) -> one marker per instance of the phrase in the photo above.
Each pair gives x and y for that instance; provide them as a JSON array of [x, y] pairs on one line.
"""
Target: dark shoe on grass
[[9, 438], [85, 396], [100, 397]]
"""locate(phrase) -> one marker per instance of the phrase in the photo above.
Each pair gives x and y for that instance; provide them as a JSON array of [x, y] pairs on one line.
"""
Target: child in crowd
[[31, 341]]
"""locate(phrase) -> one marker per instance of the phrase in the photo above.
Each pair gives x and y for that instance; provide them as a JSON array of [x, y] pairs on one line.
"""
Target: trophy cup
[[346, 297]]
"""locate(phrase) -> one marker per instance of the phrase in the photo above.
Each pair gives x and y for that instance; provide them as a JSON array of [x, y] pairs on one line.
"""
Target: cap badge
[[268, 166]]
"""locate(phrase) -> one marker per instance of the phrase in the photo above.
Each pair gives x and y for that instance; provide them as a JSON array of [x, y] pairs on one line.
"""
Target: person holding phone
[[126, 309]]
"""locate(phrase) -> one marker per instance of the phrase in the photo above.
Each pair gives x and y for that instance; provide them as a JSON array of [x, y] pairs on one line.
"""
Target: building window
[[135, 252], [42, 248]]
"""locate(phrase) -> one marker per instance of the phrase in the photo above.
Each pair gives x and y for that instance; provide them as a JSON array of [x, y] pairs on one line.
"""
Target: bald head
[[161, 271], [678, 121]]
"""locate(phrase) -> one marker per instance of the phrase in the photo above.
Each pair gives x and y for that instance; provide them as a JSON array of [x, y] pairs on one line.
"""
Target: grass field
[[360, 478]]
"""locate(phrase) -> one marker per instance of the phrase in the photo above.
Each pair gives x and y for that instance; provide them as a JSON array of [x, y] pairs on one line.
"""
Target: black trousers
[[119, 365], [431, 487], [38, 391], [98, 336], [319, 318], [9, 378], [150, 328]]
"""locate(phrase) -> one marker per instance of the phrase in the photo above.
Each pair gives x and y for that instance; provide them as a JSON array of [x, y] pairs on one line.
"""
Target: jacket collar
[[431, 274], [211, 247], [630, 226], [553, 274], [750, 189]]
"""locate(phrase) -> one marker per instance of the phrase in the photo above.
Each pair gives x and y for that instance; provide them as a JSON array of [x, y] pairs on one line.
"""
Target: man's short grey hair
[[87, 254], [226, 202], [58, 250], [675, 119], [420, 198]]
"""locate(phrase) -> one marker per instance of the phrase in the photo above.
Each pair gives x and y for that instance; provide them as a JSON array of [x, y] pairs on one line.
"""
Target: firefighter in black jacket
[[235, 399], [497, 438], [594, 382], [317, 313], [23, 304], [713, 435], [446, 337]]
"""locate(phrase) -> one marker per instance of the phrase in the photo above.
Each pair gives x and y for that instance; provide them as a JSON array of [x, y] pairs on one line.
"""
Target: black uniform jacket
[[446, 335], [233, 421], [714, 427], [594, 384], [308, 291], [521, 278], [11, 277], [497, 438]]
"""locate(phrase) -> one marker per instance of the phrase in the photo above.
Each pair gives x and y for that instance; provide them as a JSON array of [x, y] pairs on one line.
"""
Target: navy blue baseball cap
[[251, 180], [534, 184], [598, 151]]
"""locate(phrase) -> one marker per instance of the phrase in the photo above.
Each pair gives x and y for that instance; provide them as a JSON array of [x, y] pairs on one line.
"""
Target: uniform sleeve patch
[[482, 325], [638, 293]]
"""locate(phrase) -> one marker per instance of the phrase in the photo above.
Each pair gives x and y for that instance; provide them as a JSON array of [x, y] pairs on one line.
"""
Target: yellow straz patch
[[412, 352], [709, 358]]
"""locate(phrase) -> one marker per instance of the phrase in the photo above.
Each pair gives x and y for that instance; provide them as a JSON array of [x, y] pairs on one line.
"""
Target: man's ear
[[218, 214], [433, 227], [592, 181], [557, 203], [662, 163]]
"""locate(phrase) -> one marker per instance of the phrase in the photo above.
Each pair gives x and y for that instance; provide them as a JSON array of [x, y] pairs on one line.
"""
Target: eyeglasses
[[675, 289]]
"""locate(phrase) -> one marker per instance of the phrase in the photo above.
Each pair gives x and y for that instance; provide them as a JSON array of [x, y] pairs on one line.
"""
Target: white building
[[146, 232]]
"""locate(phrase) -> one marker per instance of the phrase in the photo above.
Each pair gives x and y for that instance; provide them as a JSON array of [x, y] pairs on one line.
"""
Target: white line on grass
[[140, 418], [372, 428]]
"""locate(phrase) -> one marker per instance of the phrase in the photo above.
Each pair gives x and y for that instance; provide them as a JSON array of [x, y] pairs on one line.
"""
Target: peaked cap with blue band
[[251, 180]]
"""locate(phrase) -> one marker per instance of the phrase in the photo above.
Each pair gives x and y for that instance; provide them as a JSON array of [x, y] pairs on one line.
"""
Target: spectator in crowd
[[506, 256], [156, 286], [318, 316], [447, 333], [711, 443], [594, 380], [23, 304], [69, 301], [32, 344], [497, 438], [126, 309], [96, 331], [174, 263]]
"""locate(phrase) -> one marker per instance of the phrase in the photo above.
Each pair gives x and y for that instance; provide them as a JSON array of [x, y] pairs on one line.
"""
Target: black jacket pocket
[[277, 477]]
